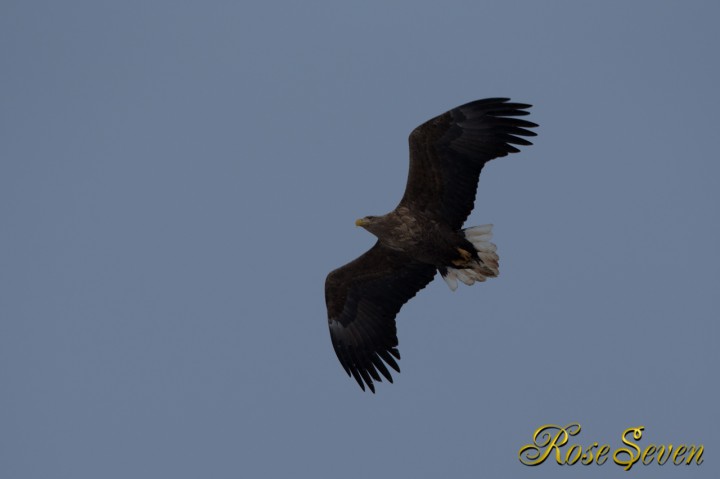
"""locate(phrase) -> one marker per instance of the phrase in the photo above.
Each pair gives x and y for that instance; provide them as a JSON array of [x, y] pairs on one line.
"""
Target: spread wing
[[448, 152], [363, 297]]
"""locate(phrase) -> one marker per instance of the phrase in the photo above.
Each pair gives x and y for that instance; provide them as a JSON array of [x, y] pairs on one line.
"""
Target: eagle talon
[[466, 256]]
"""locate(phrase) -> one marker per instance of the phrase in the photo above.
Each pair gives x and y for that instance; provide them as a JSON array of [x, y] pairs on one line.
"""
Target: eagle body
[[422, 238], [423, 235]]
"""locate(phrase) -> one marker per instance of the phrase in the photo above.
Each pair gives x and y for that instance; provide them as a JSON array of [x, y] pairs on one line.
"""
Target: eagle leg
[[465, 257]]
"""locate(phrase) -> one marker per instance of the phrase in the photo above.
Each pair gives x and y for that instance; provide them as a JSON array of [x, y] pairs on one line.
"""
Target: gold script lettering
[[632, 458], [553, 438], [544, 442], [602, 454], [691, 454]]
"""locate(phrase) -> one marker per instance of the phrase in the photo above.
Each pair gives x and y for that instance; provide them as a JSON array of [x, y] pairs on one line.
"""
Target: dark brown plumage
[[422, 235]]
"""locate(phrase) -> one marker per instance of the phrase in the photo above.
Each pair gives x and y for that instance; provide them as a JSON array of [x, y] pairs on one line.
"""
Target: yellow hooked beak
[[360, 222]]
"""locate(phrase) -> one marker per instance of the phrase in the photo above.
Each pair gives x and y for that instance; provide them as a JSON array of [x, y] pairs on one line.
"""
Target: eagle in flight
[[423, 234]]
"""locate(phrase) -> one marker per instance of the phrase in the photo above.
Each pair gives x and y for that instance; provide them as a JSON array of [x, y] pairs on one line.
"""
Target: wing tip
[[369, 370]]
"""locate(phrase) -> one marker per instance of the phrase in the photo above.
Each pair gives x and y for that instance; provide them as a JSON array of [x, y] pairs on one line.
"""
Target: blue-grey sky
[[178, 178]]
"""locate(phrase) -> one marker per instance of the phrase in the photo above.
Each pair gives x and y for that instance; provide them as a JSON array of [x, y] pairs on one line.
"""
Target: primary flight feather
[[422, 235]]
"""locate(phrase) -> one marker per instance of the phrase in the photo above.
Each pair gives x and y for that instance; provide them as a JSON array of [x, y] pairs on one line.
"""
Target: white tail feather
[[451, 278], [487, 267]]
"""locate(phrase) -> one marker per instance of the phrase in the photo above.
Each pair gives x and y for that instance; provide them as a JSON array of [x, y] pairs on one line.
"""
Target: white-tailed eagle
[[424, 234]]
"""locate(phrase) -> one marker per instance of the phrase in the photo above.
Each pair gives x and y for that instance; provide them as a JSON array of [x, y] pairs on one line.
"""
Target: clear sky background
[[178, 178]]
